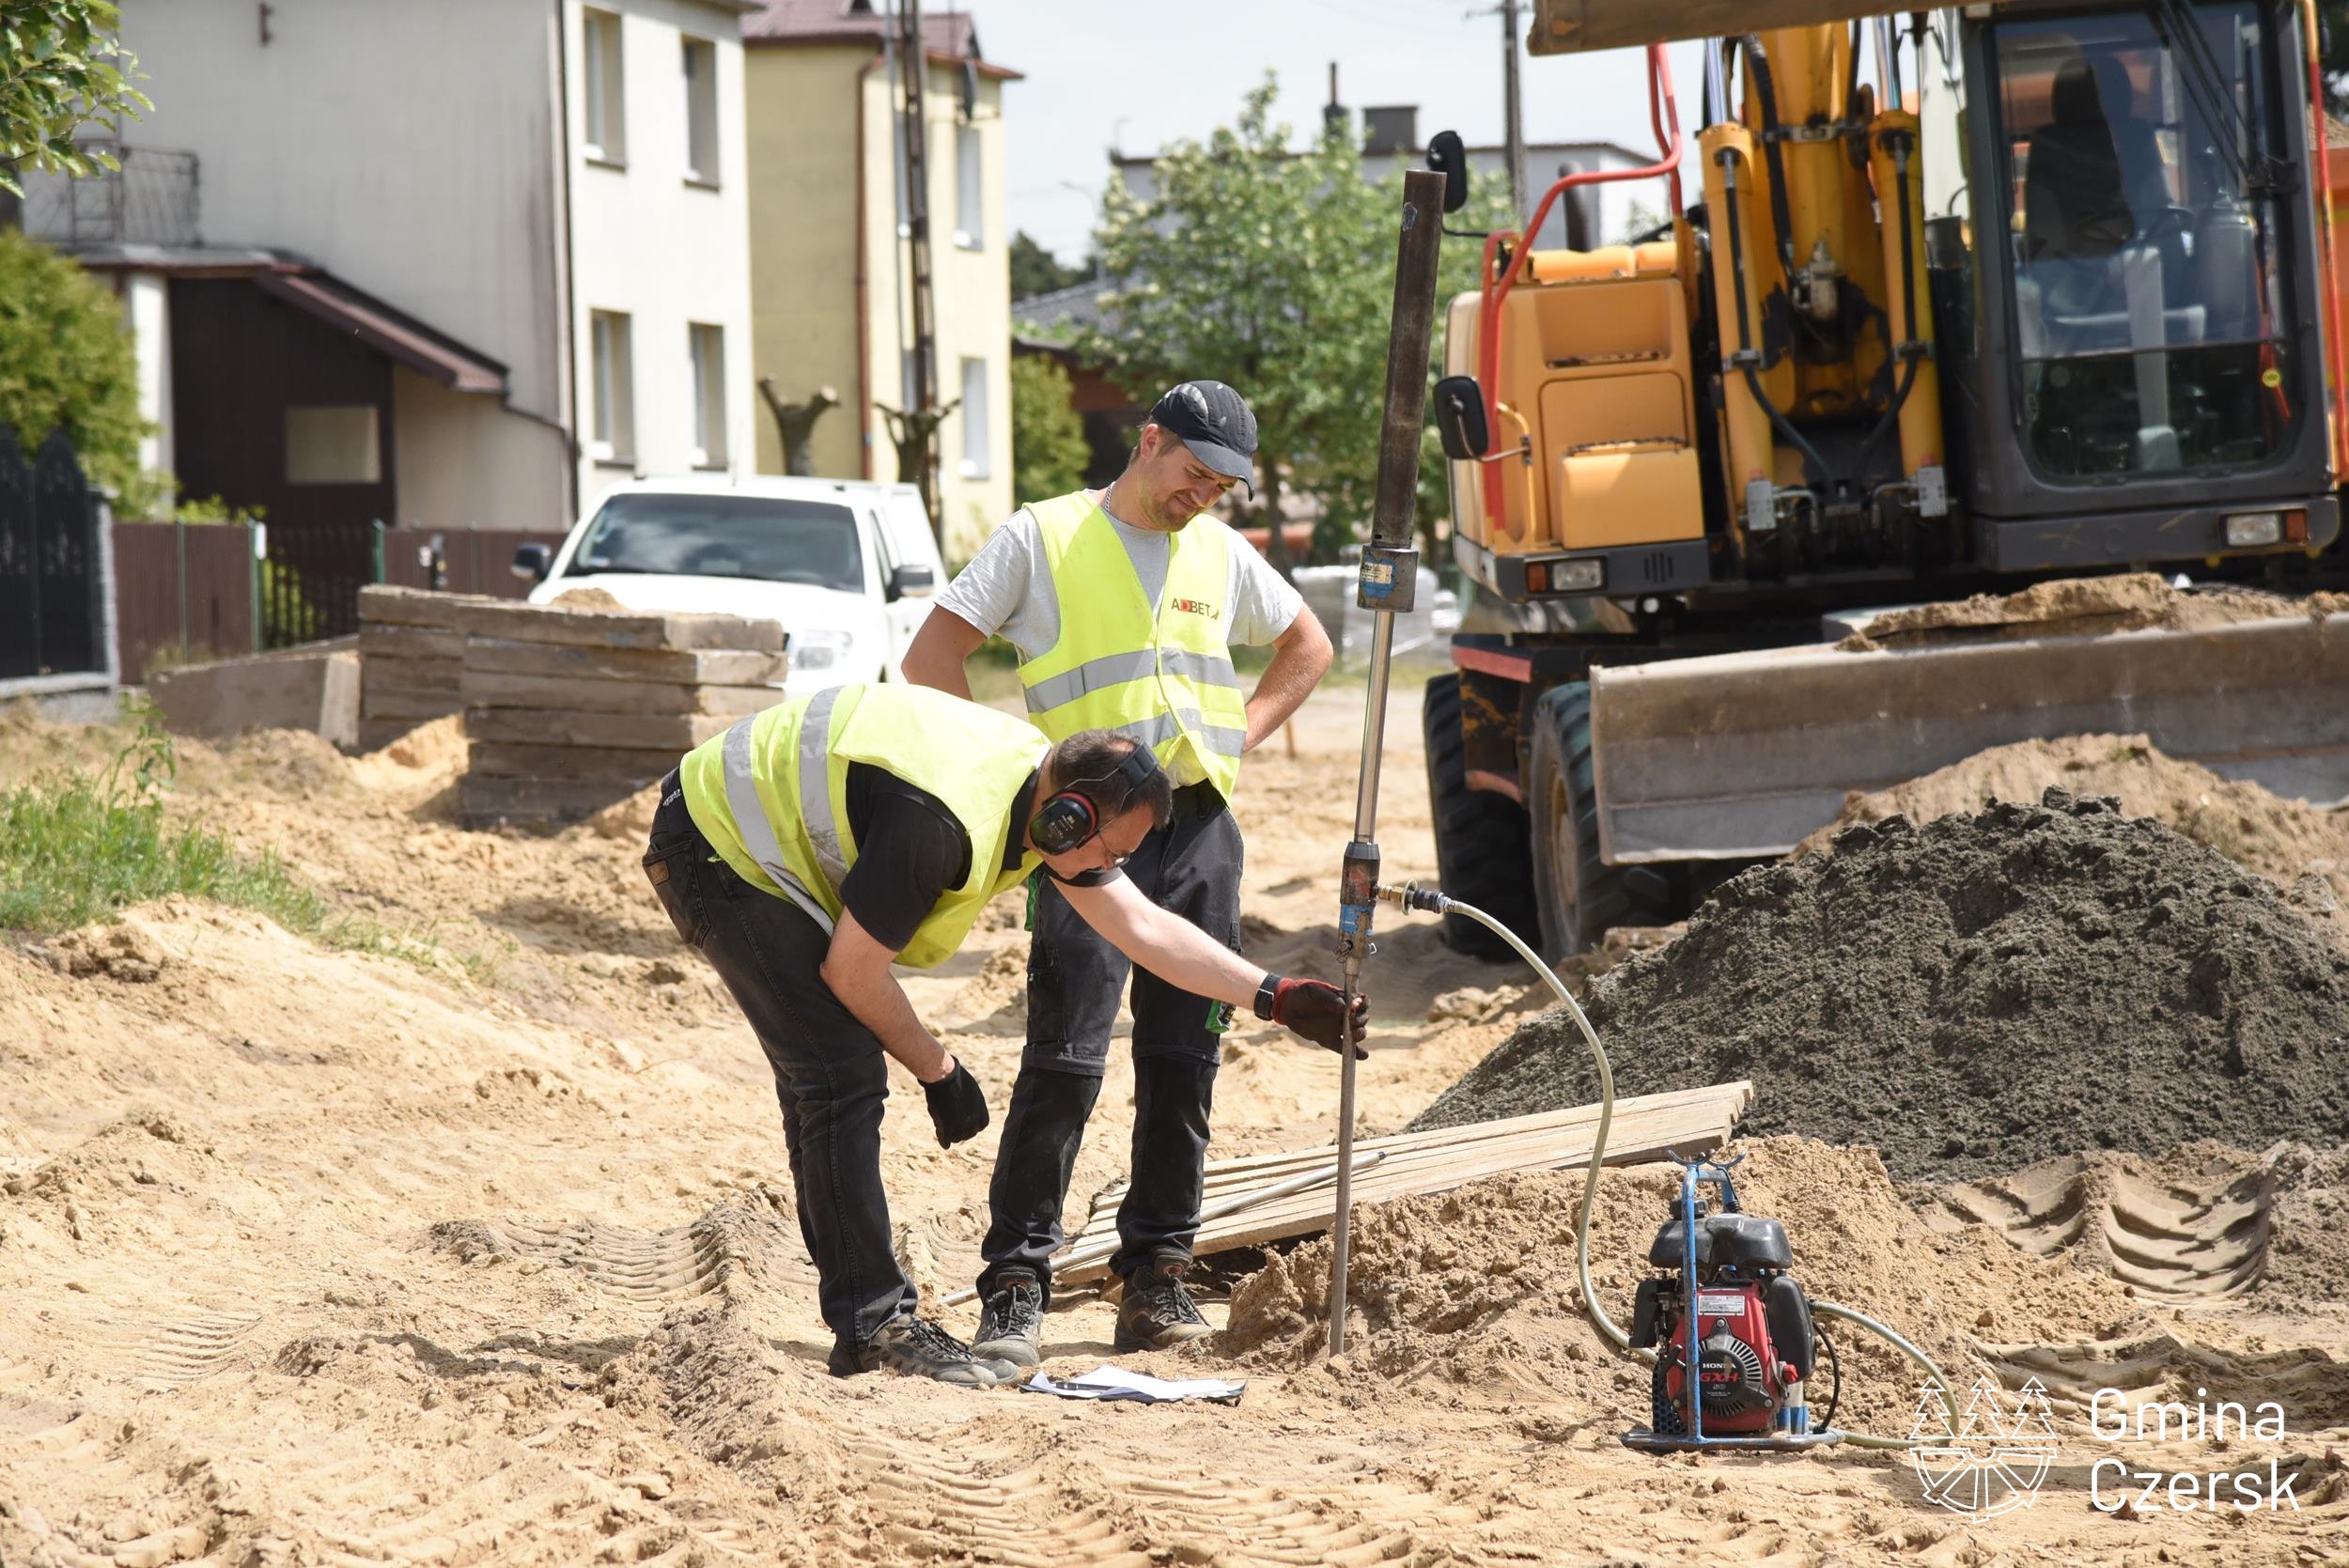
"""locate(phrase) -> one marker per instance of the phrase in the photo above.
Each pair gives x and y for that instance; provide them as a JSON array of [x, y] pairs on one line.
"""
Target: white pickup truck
[[847, 565]]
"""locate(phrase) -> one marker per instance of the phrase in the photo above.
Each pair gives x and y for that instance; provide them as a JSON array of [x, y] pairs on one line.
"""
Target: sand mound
[[1989, 991], [2282, 840], [1475, 1288], [2087, 606]]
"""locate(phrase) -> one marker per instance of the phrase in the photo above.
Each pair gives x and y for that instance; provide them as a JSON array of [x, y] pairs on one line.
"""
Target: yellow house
[[831, 280]]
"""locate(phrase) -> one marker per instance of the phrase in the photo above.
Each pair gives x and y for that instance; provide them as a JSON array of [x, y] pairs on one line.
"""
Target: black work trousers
[[1191, 867], [830, 1073]]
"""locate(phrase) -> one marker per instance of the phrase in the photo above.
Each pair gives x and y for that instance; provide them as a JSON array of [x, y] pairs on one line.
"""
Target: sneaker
[[916, 1348], [1156, 1312], [1011, 1324]]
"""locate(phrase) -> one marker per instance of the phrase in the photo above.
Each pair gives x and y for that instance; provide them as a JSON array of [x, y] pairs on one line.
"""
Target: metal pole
[[1387, 583], [1512, 119]]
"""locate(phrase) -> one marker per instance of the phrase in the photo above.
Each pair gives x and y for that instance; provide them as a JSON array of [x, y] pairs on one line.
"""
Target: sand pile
[[1971, 997], [1475, 1289], [2086, 607], [2285, 841]]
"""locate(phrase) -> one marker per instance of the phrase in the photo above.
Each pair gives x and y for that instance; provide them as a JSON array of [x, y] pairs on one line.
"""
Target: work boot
[[916, 1348], [1155, 1312], [1011, 1324]]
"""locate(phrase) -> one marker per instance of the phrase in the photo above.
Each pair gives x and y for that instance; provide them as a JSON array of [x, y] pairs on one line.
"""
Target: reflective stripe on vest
[[1162, 675], [972, 759]]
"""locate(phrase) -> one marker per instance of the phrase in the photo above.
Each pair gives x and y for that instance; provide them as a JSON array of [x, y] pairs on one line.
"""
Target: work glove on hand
[[1313, 1008], [957, 1107]]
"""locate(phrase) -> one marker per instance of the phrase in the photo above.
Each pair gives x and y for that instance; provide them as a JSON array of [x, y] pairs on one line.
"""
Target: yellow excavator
[[1948, 302]]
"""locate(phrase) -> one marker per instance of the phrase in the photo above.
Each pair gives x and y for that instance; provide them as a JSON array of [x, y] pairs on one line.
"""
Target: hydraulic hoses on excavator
[[1747, 357], [1911, 350], [1766, 97]]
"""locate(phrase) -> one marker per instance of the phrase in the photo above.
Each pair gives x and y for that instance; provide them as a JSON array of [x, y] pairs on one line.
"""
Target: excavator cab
[[2131, 306]]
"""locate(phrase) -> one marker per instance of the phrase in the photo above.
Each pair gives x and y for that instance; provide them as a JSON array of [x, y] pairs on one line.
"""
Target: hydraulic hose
[[1766, 97], [1912, 351], [1413, 897], [1747, 354]]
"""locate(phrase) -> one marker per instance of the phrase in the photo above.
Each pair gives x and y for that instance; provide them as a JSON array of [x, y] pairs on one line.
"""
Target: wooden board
[[582, 764], [410, 675], [546, 622], [387, 640], [484, 800], [587, 695], [389, 605], [410, 708], [687, 666], [529, 726], [1646, 1128]]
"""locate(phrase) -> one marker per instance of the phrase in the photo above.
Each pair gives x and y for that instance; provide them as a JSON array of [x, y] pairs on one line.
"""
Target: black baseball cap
[[1214, 421]]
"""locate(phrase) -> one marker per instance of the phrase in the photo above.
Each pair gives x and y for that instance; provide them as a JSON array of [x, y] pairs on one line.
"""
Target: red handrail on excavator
[[1664, 115]]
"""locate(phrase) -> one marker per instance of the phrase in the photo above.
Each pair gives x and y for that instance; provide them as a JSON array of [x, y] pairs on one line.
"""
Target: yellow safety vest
[[772, 795], [1163, 676]]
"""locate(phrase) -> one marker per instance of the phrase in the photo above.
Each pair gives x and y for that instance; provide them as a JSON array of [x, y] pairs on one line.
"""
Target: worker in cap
[[810, 848], [1124, 604]]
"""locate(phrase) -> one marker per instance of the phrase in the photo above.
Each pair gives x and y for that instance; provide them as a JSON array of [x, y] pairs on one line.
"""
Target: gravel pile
[[1974, 995]]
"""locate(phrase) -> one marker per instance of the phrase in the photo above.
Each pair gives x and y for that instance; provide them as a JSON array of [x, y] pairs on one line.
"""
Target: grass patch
[[78, 845]]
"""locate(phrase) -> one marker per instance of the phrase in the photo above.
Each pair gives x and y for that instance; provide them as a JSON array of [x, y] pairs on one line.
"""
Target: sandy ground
[[485, 1253]]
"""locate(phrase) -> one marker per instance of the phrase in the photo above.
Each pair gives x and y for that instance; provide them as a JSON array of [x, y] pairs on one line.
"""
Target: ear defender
[[1070, 820]]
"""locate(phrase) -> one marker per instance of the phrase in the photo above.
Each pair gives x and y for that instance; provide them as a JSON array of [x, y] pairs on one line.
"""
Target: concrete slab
[[313, 688]]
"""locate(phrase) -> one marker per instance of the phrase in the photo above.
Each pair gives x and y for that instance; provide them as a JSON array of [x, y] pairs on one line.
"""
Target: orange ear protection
[[1071, 820]]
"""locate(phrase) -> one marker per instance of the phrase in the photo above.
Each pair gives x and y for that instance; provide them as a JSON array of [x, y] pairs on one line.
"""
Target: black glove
[[957, 1106], [1313, 1008]]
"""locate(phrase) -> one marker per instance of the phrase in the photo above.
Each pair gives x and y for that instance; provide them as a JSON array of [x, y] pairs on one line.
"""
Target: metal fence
[[52, 604], [151, 199], [469, 561], [310, 581]]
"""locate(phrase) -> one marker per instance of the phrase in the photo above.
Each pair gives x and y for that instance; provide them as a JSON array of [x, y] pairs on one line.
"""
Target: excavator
[[1947, 303]]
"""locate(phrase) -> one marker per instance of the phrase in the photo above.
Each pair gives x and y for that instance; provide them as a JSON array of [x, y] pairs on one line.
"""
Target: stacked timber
[[412, 654], [570, 710]]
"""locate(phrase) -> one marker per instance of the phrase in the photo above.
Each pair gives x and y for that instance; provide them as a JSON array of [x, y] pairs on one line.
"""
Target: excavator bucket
[[1742, 755]]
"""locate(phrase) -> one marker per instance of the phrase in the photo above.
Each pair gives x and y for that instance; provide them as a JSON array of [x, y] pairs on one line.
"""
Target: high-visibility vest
[[1163, 676], [772, 795]]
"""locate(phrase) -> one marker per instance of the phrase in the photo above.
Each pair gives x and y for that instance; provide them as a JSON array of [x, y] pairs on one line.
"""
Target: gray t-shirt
[[1007, 590]]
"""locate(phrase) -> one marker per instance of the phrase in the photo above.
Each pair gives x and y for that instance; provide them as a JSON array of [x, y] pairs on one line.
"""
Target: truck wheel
[[1480, 836], [1580, 896]]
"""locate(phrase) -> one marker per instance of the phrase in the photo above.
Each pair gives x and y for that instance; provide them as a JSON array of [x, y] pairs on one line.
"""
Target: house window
[[615, 412], [970, 189], [707, 346], [607, 126], [701, 111], [974, 465], [339, 445]]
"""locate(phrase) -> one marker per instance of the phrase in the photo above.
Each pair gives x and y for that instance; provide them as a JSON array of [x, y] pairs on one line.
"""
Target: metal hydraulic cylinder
[[1894, 141], [1740, 261]]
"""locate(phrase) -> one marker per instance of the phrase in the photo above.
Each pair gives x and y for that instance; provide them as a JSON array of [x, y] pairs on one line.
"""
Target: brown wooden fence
[[181, 591]]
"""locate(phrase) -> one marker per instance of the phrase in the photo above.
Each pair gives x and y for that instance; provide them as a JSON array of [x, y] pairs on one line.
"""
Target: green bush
[[1048, 452], [76, 846], [67, 360]]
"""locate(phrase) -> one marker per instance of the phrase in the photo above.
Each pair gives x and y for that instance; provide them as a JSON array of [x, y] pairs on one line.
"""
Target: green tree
[[1273, 269], [1038, 271], [60, 64], [1048, 452], [67, 360]]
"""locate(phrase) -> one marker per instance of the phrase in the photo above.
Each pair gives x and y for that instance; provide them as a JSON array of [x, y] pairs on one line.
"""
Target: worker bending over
[[809, 848], [1125, 605]]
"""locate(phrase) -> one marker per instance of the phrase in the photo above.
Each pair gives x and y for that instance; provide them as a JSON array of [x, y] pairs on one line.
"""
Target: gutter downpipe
[[863, 277], [566, 340]]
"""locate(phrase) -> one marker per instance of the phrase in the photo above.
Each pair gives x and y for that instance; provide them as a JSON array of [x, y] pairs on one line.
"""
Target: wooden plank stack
[[410, 656], [570, 710], [1262, 1198]]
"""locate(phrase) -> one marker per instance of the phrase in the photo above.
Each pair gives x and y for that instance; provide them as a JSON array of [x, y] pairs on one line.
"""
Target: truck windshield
[[724, 535], [2147, 241]]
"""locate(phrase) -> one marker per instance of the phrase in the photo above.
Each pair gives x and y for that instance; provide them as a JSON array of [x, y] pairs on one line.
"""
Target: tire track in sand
[[731, 1244]]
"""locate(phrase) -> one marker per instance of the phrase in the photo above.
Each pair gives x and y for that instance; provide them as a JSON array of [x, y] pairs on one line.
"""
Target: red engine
[[1754, 1336]]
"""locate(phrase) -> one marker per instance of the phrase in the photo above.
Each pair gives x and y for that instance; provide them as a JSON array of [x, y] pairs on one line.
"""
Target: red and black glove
[[1313, 1008]]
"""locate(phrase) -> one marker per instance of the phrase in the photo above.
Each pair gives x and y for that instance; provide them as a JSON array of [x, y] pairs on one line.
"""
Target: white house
[[446, 264]]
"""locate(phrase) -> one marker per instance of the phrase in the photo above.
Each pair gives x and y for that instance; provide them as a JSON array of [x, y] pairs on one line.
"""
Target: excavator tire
[[1481, 837], [1578, 895]]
